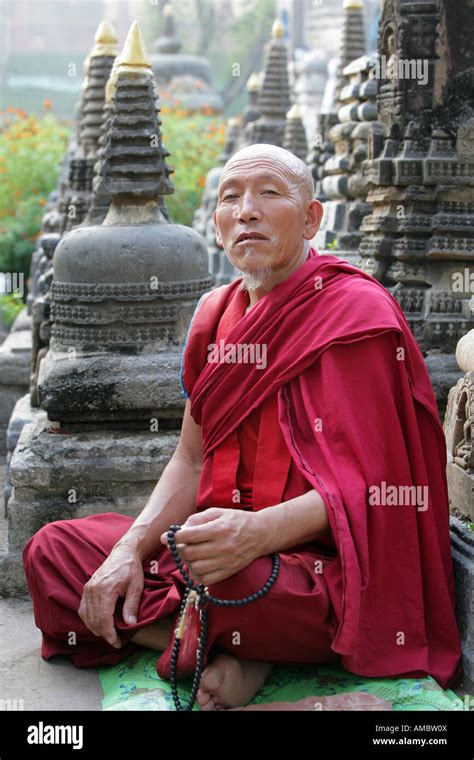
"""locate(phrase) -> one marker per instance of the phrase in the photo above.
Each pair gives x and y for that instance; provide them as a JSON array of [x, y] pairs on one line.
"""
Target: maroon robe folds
[[358, 414], [343, 404]]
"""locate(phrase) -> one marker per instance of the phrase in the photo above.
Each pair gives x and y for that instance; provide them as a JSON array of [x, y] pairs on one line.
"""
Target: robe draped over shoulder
[[357, 417]]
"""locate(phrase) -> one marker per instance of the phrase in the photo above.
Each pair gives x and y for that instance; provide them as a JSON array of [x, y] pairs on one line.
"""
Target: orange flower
[[47, 104], [42, 201]]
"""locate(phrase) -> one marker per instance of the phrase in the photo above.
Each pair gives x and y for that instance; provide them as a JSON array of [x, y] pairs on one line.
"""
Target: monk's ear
[[314, 215]]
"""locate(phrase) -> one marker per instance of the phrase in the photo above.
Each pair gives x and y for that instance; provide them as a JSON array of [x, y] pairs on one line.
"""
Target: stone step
[[62, 476]]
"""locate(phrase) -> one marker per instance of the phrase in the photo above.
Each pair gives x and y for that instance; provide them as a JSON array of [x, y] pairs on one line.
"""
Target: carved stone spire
[[294, 138], [353, 43], [274, 96], [101, 59], [168, 41], [251, 112], [134, 157], [124, 292]]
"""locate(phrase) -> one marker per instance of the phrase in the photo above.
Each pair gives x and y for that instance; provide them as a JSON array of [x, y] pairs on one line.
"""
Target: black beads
[[202, 602]]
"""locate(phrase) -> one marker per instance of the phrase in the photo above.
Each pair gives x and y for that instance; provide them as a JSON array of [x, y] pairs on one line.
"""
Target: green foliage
[[332, 246], [194, 142], [9, 308], [30, 154], [31, 151]]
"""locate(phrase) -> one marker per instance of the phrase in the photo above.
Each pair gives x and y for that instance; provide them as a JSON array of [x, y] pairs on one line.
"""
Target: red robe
[[293, 623], [358, 413], [383, 604]]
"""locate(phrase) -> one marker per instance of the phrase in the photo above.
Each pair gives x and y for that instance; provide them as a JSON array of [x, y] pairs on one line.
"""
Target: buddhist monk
[[310, 429]]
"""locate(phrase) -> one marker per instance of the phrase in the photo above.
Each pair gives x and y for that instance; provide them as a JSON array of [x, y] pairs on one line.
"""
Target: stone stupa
[[419, 239], [75, 197], [123, 295], [273, 101], [294, 136], [186, 79]]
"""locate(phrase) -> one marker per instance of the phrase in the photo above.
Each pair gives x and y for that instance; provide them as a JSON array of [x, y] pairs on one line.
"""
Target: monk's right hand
[[121, 575]]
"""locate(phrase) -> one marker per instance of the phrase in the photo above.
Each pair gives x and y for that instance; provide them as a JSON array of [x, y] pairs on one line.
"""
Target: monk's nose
[[248, 210]]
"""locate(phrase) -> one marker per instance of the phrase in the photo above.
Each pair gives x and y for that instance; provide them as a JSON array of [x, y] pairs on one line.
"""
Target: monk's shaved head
[[296, 171], [266, 214]]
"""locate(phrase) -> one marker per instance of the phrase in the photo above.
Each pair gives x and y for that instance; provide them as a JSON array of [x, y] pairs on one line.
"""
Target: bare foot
[[230, 682]]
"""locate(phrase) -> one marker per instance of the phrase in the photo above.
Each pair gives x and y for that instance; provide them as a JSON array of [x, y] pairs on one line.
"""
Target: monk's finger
[[199, 533], [202, 568], [108, 632], [220, 575], [207, 550], [101, 614], [205, 516], [132, 601], [84, 613]]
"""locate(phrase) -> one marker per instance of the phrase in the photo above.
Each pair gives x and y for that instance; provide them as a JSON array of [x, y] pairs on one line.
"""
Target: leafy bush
[[194, 141], [9, 308], [31, 150]]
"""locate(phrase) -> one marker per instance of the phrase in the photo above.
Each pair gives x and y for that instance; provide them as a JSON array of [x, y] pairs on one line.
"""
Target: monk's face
[[260, 195]]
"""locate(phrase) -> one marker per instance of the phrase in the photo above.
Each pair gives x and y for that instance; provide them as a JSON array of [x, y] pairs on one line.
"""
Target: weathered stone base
[[461, 489], [444, 372], [23, 413], [15, 358], [61, 476], [462, 545]]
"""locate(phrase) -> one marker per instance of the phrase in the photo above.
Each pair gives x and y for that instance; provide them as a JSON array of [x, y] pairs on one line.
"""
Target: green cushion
[[134, 684]]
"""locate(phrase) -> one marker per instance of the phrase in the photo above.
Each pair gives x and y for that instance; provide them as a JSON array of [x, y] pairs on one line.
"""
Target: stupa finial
[[253, 82], [353, 5], [134, 55], [278, 30], [105, 40]]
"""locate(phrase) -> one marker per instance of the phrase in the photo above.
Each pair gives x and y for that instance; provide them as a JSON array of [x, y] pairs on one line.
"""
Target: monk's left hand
[[216, 543]]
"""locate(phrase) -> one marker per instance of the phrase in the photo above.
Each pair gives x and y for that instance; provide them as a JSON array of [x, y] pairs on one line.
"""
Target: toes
[[211, 678], [205, 700], [207, 705]]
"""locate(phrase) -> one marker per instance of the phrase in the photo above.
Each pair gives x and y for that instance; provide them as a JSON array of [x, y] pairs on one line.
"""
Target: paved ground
[[42, 685]]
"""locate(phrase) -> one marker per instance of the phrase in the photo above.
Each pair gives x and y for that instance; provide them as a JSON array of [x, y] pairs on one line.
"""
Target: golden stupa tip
[[134, 54], [278, 29], [105, 32], [105, 40], [167, 10], [353, 5], [294, 112], [253, 82]]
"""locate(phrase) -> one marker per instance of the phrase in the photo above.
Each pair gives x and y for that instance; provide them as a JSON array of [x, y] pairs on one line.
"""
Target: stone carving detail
[[421, 176], [124, 291]]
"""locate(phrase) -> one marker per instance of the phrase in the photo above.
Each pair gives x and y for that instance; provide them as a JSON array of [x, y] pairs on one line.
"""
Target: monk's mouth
[[251, 240]]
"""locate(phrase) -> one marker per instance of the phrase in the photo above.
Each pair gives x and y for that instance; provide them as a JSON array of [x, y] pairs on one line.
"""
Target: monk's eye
[[229, 196], [271, 191]]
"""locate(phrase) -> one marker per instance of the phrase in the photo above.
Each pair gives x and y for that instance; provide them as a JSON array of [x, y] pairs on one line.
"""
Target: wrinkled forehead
[[246, 165]]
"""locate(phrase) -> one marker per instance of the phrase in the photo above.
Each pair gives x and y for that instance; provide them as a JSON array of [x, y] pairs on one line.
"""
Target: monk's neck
[[258, 293]]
